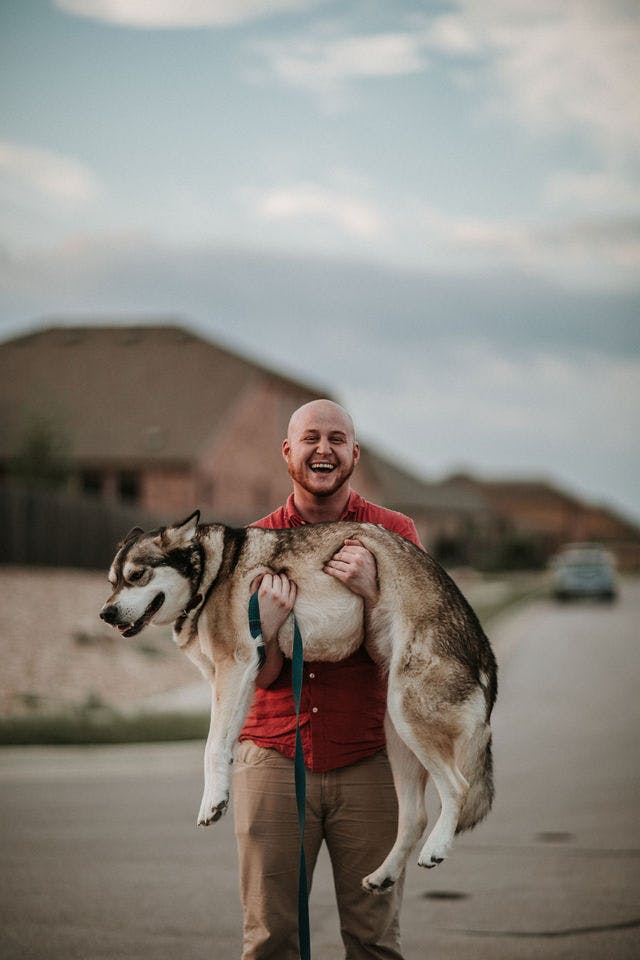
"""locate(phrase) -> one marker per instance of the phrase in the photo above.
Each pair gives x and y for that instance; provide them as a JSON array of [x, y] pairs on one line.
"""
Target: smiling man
[[351, 801]]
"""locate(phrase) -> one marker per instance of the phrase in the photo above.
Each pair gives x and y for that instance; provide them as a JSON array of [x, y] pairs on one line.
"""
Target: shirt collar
[[349, 513]]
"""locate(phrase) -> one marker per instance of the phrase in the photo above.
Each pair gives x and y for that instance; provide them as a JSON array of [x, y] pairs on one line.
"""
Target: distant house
[[550, 517], [456, 524], [159, 418], [153, 416]]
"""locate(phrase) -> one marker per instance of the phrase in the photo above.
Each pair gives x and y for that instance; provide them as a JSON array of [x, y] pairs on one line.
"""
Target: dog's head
[[154, 576]]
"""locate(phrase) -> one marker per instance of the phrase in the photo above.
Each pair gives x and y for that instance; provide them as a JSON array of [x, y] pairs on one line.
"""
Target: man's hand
[[276, 597], [356, 567]]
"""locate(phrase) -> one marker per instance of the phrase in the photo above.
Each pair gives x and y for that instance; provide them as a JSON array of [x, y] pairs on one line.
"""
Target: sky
[[430, 210]]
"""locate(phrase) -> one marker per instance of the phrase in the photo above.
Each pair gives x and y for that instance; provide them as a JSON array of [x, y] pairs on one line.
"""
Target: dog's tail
[[476, 765]]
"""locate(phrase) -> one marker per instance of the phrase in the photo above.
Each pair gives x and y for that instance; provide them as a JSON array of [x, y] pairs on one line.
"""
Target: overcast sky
[[431, 210]]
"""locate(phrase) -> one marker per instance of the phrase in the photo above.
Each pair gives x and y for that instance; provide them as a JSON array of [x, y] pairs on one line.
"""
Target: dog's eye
[[136, 575]]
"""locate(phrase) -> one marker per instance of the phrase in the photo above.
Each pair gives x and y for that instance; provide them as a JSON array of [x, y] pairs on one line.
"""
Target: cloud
[[326, 64], [175, 14], [553, 65], [254, 290], [599, 252], [51, 175], [311, 203], [595, 192]]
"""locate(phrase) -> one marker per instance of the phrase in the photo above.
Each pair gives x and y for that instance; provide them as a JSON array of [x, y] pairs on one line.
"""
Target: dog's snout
[[109, 613]]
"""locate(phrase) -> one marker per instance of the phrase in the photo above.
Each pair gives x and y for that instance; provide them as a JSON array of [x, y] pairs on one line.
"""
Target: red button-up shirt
[[343, 704]]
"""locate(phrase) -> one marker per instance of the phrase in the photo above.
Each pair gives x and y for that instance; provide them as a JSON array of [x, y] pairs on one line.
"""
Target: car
[[584, 570]]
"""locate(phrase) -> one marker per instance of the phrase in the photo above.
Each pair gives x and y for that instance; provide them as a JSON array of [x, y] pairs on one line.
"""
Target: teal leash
[[304, 936]]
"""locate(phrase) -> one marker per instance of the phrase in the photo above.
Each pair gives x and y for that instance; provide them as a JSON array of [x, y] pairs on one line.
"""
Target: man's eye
[[136, 575]]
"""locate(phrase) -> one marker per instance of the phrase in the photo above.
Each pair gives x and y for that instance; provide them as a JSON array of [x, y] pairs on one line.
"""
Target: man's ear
[[356, 452], [180, 534], [286, 449]]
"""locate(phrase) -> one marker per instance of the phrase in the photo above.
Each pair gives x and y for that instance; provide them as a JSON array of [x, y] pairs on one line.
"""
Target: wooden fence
[[49, 528]]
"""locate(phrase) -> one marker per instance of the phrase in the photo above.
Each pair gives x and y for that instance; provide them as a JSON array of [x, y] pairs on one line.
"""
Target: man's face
[[320, 451]]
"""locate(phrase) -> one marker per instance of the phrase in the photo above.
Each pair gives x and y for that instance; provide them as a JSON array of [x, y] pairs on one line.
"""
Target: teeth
[[322, 466]]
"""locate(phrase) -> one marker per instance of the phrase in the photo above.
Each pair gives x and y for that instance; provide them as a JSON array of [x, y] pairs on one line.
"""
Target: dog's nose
[[109, 614]]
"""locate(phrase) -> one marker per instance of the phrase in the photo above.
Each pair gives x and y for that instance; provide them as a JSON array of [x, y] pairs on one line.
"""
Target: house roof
[[124, 393], [404, 491], [509, 495]]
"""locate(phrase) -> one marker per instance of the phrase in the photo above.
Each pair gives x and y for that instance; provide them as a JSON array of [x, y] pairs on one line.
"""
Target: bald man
[[351, 801]]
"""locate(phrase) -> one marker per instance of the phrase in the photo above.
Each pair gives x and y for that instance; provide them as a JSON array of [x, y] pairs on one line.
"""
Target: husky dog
[[442, 677]]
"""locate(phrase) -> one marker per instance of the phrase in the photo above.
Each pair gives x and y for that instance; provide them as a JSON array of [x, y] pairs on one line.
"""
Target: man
[[351, 801]]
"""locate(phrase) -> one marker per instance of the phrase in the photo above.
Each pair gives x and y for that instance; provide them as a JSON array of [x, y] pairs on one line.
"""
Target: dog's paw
[[210, 811], [432, 854], [378, 883]]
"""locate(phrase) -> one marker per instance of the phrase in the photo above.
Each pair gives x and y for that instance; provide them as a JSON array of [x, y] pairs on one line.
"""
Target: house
[[456, 524], [538, 513], [154, 416], [158, 418]]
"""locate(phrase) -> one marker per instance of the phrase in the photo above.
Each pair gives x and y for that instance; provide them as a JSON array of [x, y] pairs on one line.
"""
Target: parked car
[[584, 570]]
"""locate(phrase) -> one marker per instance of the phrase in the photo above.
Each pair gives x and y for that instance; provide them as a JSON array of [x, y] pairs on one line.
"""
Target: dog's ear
[[180, 534], [130, 537]]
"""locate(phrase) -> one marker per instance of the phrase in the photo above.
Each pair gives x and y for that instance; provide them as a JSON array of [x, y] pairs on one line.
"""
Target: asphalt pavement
[[101, 860]]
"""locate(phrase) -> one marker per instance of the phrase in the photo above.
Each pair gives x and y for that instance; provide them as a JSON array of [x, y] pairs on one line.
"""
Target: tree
[[42, 455]]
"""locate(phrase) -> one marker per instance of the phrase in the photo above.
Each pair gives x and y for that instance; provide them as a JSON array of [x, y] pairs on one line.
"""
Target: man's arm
[[276, 597], [356, 567]]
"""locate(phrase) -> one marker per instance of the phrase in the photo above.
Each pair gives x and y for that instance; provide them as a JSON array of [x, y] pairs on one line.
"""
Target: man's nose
[[323, 445]]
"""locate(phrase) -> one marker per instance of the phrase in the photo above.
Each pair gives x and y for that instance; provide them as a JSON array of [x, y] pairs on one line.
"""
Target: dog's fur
[[442, 677]]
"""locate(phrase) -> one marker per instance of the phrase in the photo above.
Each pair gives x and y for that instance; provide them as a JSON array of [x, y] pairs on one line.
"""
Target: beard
[[321, 485]]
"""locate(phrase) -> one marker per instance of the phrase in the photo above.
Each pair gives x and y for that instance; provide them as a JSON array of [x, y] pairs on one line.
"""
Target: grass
[[522, 588], [101, 726]]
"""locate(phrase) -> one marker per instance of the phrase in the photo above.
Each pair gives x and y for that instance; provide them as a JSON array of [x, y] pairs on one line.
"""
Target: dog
[[442, 674]]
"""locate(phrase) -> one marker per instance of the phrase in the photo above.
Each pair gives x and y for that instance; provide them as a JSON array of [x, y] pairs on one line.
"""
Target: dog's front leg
[[232, 695], [206, 807]]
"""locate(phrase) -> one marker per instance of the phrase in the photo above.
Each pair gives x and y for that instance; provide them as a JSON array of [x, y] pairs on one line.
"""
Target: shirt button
[[314, 710], [312, 676]]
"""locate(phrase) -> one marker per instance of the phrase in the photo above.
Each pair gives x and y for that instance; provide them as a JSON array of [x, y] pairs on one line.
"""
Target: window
[[128, 486], [91, 482]]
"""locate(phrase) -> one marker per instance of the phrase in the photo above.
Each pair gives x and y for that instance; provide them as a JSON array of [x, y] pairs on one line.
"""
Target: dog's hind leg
[[233, 690], [453, 789], [435, 748], [410, 778]]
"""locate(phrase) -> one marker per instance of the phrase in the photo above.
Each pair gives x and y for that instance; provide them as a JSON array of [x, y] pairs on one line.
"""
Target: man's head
[[320, 449]]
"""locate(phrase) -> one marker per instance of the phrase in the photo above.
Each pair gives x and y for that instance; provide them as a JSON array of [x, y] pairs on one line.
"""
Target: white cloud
[[325, 65], [312, 203], [171, 14], [554, 64], [51, 175], [595, 192], [600, 252]]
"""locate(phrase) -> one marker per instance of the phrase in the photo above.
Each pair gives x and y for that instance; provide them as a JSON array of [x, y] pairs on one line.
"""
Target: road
[[101, 859]]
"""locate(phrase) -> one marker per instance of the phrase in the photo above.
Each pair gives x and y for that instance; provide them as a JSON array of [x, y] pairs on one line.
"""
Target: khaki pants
[[355, 810]]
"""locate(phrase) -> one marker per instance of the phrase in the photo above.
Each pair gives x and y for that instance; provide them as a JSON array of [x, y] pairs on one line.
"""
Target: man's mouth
[[322, 466], [131, 629]]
